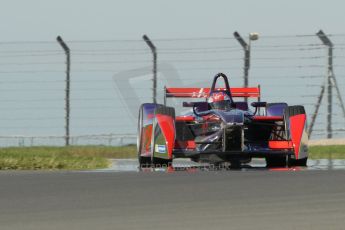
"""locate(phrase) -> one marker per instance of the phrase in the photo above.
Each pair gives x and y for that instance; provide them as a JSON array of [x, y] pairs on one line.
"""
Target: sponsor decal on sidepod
[[160, 149]]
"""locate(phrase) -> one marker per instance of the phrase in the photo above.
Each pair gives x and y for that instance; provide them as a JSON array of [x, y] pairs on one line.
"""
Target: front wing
[[232, 154]]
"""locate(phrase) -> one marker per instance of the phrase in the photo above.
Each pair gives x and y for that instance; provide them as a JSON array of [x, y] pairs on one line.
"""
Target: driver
[[219, 100]]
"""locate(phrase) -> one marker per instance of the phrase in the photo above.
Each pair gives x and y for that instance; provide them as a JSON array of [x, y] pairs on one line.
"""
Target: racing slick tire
[[276, 161], [144, 162], [299, 162], [159, 162], [292, 111]]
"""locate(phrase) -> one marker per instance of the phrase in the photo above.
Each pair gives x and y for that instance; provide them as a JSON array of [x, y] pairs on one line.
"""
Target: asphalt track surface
[[225, 199]]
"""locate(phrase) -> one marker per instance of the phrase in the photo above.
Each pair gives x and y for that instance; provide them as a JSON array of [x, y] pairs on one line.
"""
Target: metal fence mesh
[[110, 79]]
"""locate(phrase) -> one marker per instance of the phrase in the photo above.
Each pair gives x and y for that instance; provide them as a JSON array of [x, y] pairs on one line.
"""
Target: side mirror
[[198, 107], [258, 104], [188, 104], [242, 105]]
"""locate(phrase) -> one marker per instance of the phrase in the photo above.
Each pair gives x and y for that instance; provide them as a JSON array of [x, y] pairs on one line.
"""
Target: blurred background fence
[[109, 79]]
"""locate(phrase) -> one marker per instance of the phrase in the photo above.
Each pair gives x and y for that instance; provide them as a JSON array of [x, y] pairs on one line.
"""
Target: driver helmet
[[219, 100]]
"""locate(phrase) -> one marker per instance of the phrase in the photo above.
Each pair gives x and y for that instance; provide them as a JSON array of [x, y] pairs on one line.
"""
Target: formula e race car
[[221, 129]]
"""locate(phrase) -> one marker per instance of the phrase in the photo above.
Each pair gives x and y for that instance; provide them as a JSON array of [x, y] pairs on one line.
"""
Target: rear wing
[[253, 92]]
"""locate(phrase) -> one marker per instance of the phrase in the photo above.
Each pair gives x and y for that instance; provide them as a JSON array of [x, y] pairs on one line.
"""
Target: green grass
[[327, 152], [315, 152], [93, 157], [74, 157]]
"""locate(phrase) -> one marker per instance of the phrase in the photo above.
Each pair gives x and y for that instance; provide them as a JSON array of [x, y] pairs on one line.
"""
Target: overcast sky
[[31, 72], [129, 19]]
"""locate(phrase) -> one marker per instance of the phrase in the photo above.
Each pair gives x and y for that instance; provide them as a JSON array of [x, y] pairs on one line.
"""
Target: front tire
[[276, 161], [161, 163], [300, 162]]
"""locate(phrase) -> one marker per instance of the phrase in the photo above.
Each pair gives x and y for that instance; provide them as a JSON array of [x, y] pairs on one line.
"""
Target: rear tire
[[276, 109], [165, 110]]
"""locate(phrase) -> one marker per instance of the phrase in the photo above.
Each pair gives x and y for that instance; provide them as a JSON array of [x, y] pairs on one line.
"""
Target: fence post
[[313, 118], [246, 48], [154, 70], [325, 40], [67, 90]]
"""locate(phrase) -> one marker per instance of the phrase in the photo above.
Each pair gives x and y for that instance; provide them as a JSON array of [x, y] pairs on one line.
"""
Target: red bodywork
[[297, 124], [146, 140], [268, 118], [190, 144], [204, 92], [185, 118], [166, 123], [280, 145]]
